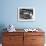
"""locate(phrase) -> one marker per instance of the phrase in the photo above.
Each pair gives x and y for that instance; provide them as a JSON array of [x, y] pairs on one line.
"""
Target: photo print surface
[[26, 14]]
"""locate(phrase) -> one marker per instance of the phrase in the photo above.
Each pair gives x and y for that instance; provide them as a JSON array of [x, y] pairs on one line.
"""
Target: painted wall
[[8, 13]]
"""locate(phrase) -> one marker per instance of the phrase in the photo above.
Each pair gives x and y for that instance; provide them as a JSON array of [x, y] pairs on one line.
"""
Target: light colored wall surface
[[8, 15]]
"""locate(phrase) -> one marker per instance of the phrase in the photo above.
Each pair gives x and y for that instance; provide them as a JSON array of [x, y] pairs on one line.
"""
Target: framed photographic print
[[26, 14]]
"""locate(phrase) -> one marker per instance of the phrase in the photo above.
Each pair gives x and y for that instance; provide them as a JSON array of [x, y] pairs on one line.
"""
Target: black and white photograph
[[26, 14]]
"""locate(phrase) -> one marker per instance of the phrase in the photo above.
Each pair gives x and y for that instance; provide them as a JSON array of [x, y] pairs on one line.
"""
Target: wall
[[8, 13]]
